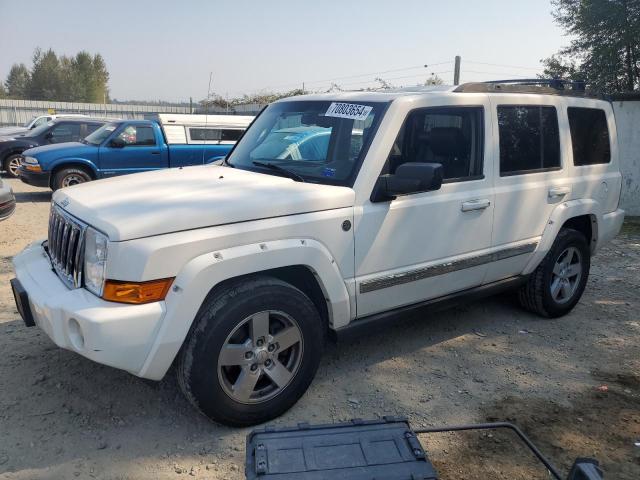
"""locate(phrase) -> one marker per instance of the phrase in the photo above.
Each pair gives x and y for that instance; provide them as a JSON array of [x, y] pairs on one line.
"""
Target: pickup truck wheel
[[555, 287], [68, 177], [252, 352], [11, 165]]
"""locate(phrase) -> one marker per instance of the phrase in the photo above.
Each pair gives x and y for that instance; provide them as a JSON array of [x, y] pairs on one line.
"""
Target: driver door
[[140, 151], [426, 245]]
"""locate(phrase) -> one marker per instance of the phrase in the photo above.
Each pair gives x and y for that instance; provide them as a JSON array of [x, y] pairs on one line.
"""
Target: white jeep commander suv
[[236, 273]]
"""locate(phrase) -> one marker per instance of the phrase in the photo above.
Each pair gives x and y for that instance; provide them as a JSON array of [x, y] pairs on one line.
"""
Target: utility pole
[[456, 71], [190, 104]]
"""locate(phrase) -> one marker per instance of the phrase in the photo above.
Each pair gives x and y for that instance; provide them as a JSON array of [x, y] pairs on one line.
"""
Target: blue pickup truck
[[131, 146]]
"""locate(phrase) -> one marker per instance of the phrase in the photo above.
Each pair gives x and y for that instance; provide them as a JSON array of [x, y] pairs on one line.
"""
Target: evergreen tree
[[81, 78], [17, 83], [45, 76]]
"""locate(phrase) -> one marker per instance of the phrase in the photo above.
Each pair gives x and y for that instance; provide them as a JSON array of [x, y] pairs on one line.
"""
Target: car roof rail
[[547, 86]]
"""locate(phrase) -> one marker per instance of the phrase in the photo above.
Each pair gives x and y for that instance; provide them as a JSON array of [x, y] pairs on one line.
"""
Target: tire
[[68, 177], [234, 318], [11, 164], [555, 287]]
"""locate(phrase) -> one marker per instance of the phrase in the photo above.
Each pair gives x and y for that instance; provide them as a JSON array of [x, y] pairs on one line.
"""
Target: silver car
[[7, 201]]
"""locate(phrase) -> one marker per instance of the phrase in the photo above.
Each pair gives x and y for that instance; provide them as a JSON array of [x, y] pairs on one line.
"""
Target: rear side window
[[231, 135], [589, 136], [92, 127], [529, 139], [204, 134]]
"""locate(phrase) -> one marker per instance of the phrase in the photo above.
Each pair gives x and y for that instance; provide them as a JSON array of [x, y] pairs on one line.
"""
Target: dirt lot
[[62, 416]]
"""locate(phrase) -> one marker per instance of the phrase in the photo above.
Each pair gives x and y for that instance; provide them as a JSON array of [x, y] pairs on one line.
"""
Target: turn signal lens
[[33, 168], [140, 292]]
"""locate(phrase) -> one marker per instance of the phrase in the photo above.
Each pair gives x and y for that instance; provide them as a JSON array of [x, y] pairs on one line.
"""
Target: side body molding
[[204, 272], [559, 216]]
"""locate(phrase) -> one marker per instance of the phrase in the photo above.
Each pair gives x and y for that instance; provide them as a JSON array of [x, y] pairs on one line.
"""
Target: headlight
[[31, 164], [95, 260]]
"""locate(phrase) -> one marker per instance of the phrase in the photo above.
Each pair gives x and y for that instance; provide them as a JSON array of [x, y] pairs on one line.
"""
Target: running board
[[373, 323]]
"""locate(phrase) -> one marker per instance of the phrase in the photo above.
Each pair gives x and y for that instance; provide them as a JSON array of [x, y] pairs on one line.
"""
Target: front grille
[[66, 246]]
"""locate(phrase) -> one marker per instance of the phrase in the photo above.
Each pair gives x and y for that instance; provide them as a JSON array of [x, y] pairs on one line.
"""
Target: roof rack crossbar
[[556, 83], [545, 86]]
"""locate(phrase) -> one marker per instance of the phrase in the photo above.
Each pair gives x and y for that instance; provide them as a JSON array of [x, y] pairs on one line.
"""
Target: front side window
[[529, 139], [450, 136], [320, 141], [204, 134], [137, 136], [65, 132], [589, 136]]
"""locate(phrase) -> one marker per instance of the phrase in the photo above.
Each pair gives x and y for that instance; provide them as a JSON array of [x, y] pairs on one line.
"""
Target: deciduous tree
[[605, 46]]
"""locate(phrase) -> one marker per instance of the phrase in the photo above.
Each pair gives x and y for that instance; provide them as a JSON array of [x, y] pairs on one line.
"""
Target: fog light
[[75, 334]]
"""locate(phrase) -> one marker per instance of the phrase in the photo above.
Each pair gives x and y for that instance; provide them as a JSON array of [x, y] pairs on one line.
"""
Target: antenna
[[206, 115]]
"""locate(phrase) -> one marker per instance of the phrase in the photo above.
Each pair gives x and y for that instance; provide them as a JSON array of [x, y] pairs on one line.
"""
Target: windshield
[[101, 134], [321, 141], [34, 132]]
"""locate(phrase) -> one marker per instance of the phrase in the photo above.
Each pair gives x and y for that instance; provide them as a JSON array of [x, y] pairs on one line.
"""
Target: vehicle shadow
[[113, 418], [33, 197]]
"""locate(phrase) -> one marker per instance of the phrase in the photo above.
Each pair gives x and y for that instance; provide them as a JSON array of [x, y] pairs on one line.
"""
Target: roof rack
[[552, 86]]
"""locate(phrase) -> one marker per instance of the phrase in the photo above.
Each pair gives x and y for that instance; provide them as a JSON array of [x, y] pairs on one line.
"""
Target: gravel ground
[[572, 383]]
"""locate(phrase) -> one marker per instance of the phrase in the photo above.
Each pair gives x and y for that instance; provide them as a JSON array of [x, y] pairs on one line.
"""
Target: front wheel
[[252, 352], [11, 165], [68, 177], [555, 287]]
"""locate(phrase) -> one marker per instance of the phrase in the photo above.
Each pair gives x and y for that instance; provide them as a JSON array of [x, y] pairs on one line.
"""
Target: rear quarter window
[[589, 136]]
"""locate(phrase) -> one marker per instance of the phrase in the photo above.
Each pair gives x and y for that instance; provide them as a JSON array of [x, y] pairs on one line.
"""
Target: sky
[[166, 50]]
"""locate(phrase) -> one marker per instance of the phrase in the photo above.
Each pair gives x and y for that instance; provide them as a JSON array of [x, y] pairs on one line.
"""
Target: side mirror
[[116, 142], [410, 177], [219, 160], [49, 135]]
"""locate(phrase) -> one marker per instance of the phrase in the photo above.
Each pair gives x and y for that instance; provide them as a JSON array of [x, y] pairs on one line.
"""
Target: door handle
[[472, 205], [559, 191], [155, 153]]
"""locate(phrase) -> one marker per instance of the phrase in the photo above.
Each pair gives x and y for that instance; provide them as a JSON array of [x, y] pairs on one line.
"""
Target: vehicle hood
[[47, 153], [164, 201], [5, 131]]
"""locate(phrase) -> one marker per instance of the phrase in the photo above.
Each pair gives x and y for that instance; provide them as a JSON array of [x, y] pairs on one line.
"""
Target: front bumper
[[109, 333], [37, 179], [7, 202]]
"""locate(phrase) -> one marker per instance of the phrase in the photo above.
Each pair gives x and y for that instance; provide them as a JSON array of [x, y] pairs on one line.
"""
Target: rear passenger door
[[531, 176]]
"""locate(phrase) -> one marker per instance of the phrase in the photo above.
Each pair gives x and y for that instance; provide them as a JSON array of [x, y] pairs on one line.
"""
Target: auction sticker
[[348, 110]]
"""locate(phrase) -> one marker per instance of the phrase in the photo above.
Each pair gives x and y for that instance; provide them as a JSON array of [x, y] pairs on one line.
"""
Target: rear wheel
[[555, 287], [252, 352], [68, 177], [11, 165]]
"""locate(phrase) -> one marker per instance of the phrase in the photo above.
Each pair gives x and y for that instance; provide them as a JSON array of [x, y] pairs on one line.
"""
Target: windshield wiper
[[278, 168]]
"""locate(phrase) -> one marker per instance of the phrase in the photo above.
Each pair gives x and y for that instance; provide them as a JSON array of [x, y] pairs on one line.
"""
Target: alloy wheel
[[260, 357], [566, 275]]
